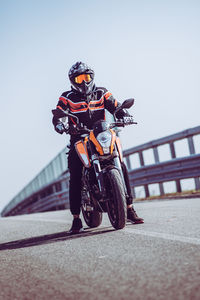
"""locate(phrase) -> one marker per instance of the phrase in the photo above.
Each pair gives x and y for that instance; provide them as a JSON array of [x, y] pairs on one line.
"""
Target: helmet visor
[[83, 77]]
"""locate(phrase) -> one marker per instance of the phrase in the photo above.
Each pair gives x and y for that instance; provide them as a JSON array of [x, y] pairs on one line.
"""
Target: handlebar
[[80, 129], [123, 122]]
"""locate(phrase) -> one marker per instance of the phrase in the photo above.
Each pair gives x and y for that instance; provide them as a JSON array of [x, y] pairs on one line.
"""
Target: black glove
[[125, 116], [60, 128], [122, 113]]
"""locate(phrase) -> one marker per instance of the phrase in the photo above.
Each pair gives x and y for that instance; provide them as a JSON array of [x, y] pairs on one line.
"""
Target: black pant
[[75, 168]]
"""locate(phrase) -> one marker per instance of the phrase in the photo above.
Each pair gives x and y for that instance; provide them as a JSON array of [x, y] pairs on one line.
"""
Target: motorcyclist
[[88, 103]]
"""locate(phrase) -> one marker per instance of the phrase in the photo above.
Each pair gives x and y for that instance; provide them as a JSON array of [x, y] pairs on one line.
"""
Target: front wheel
[[117, 208]]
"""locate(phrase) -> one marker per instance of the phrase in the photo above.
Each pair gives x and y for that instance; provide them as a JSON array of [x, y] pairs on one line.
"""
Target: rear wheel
[[93, 218], [117, 208]]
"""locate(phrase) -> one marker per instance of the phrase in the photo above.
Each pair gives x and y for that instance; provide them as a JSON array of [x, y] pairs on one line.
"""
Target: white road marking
[[166, 236]]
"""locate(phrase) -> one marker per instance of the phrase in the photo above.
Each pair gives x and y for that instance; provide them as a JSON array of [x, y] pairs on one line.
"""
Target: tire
[[92, 218], [116, 206]]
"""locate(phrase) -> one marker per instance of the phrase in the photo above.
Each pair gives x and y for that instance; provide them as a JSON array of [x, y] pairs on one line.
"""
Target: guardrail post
[[197, 183], [178, 186], [128, 162], [146, 189], [161, 188], [141, 158], [172, 150], [156, 155], [191, 145]]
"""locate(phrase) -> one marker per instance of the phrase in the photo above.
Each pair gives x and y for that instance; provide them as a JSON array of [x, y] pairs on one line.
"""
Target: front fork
[[100, 173], [118, 166]]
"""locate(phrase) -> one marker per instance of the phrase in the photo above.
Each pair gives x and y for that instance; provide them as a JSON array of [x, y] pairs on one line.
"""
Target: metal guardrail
[[172, 170], [54, 195]]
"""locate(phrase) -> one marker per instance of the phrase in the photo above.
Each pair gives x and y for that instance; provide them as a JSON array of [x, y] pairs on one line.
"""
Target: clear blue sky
[[149, 50]]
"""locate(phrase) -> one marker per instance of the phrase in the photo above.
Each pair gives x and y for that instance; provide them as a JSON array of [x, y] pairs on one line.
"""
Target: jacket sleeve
[[111, 104], [63, 105]]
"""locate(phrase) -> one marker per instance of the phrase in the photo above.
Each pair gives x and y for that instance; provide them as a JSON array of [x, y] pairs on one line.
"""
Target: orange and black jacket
[[88, 109]]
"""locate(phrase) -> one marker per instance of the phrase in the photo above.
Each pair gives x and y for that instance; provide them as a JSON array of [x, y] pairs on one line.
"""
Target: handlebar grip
[[129, 120]]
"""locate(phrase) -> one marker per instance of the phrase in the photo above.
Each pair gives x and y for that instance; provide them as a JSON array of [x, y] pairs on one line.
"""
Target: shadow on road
[[51, 238]]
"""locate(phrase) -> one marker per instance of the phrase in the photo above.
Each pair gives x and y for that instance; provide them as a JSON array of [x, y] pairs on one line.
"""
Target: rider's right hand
[[60, 128]]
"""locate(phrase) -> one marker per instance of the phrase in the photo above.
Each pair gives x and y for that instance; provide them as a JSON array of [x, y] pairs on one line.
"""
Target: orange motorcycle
[[103, 184]]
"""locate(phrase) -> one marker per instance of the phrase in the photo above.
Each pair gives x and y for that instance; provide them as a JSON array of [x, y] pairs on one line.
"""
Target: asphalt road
[[159, 259]]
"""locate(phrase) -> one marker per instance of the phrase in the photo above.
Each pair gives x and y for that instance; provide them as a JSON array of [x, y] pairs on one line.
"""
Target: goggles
[[83, 77]]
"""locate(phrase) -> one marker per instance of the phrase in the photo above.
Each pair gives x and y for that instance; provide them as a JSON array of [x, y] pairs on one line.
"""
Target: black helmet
[[82, 78]]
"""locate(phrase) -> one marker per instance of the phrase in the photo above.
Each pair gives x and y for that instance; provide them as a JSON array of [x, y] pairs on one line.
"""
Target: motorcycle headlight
[[104, 139]]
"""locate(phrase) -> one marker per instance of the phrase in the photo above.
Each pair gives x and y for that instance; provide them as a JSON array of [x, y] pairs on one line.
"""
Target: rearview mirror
[[127, 103]]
